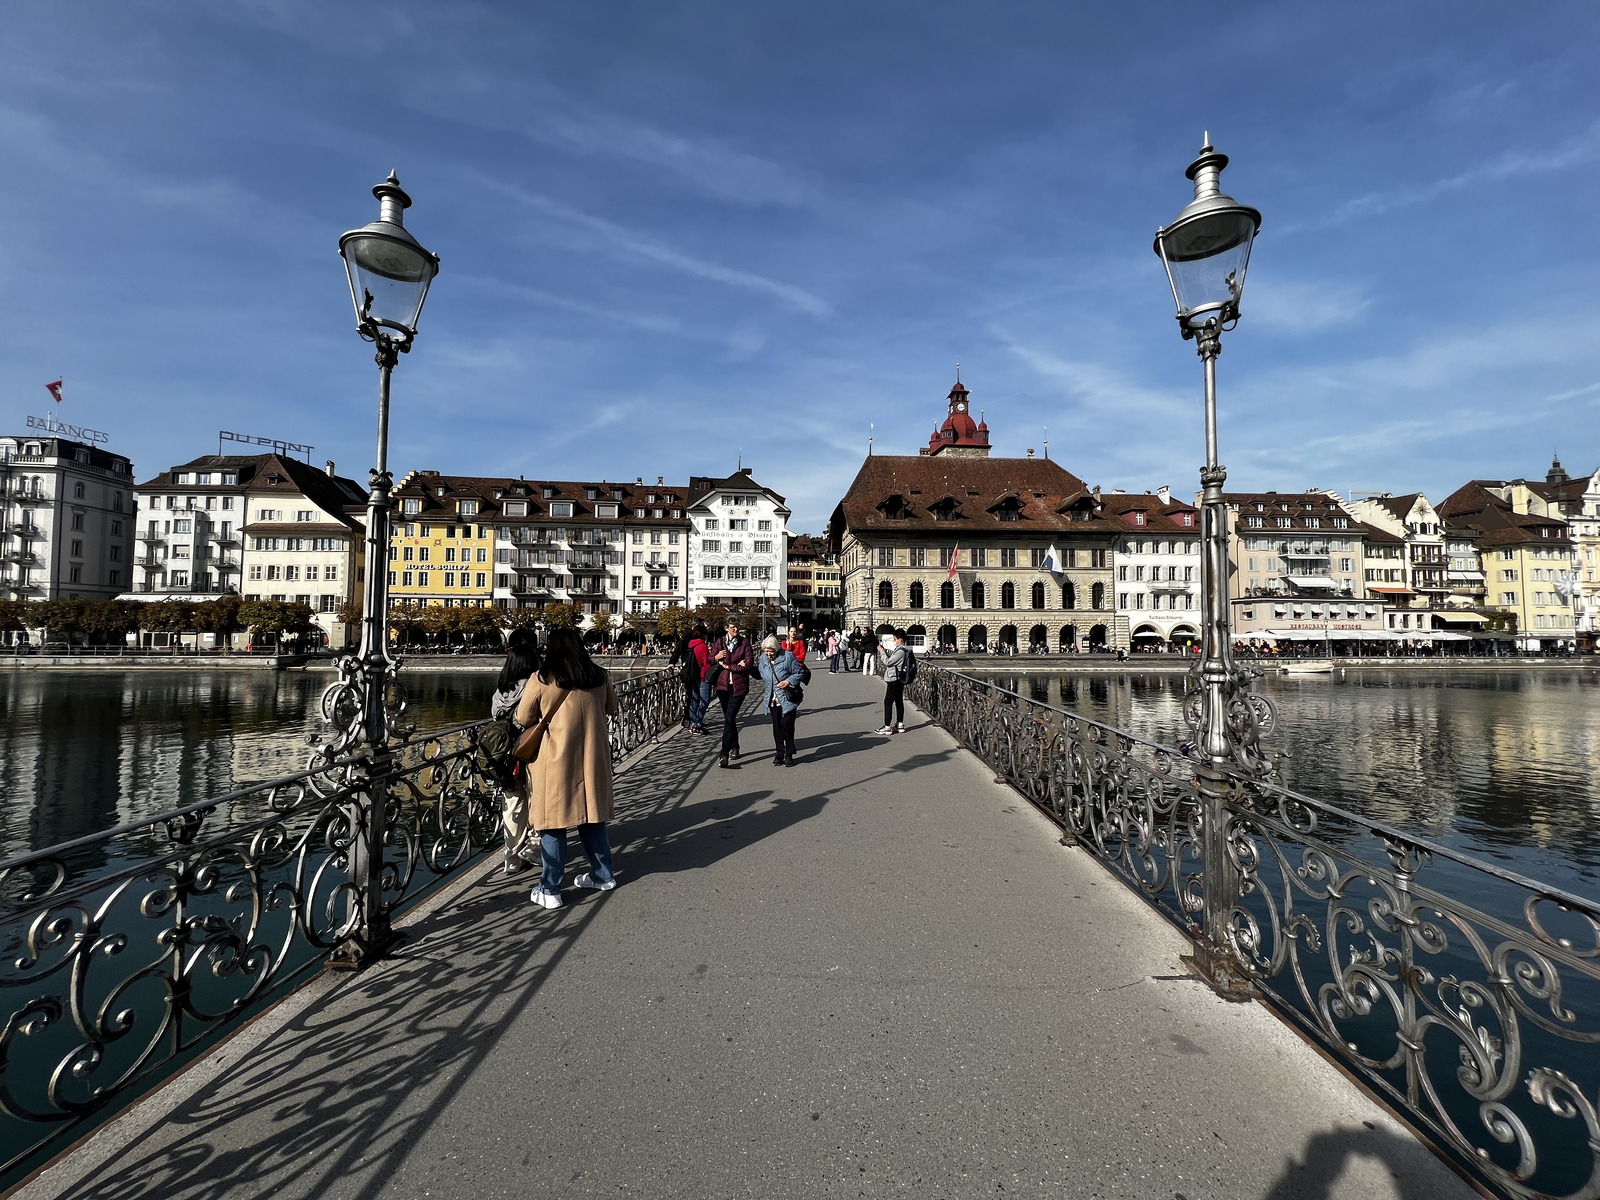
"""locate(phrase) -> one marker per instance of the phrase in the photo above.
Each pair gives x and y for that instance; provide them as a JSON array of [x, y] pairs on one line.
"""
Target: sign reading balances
[[77, 432]]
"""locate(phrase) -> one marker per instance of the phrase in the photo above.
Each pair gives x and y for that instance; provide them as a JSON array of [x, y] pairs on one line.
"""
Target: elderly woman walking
[[569, 784], [780, 675]]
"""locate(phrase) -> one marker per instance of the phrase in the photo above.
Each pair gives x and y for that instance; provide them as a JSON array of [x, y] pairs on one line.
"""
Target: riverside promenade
[[875, 974]]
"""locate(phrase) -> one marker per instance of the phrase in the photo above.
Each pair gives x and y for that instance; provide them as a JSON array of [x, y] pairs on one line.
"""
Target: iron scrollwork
[[1466, 995], [126, 951]]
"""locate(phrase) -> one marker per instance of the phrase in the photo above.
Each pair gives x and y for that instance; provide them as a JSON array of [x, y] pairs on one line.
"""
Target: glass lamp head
[[1206, 249], [389, 270]]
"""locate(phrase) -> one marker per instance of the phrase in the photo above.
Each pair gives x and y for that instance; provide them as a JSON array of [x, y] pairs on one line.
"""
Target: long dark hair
[[700, 632], [522, 660], [568, 665]]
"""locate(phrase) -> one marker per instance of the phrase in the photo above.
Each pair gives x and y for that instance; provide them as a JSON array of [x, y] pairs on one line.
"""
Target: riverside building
[[1526, 557], [1158, 568], [968, 551], [66, 520], [262, 526], [1304, 545], [739, 542], [1421, 570]]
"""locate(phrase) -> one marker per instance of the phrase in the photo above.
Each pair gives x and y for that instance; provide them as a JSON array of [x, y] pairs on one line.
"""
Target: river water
[[1502, 764]]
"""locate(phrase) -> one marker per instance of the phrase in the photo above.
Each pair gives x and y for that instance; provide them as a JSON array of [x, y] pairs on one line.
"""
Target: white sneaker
[[544, 899], [899, 728], [886, 731], [586, 880]]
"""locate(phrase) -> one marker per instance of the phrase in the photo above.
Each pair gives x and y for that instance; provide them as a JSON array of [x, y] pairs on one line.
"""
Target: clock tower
[[959, 436]]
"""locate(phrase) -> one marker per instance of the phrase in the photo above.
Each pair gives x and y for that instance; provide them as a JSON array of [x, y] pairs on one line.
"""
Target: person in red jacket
[[795, 644], [732, 662]]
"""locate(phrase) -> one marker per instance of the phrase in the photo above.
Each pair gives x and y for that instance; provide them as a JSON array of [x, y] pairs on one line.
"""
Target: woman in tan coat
[[569, 785]]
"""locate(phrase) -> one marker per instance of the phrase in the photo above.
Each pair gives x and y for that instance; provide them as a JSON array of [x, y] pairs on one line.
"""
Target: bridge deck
[[875, 974]]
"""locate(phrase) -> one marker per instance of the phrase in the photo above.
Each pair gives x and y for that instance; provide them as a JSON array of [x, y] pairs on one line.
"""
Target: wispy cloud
[[632, 243], [1577, 150], [1304, 306]]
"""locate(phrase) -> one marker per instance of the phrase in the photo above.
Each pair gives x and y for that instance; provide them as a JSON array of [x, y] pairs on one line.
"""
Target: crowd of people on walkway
[[548, 746]]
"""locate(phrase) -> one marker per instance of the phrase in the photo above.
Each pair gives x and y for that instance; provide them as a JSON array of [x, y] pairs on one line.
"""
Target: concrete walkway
[[874, 974]]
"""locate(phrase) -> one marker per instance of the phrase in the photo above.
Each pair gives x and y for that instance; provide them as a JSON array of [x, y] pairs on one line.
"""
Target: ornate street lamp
[[1206, 251], [389, 273], [872, 597]]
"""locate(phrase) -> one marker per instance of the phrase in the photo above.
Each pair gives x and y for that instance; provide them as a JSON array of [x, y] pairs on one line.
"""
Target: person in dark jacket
[[733, 662]]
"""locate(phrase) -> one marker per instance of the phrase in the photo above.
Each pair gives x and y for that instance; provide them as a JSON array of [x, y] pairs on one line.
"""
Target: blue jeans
[[833, 665], [553, 855], [699, 701]]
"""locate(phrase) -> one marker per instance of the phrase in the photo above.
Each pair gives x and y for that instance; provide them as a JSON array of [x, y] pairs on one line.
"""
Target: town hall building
[[967, 551]]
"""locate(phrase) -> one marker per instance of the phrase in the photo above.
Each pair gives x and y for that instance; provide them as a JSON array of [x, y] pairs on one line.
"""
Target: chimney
[[639, 479], [330, 466], [1030, 451], [661, 480], [1165, 493]]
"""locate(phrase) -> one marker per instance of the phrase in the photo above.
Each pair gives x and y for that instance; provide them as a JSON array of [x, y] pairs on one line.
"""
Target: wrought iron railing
[[127, 952], [1465, 996]]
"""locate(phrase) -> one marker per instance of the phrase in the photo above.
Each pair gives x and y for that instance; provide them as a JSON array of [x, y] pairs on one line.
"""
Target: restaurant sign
[[1335, 625]]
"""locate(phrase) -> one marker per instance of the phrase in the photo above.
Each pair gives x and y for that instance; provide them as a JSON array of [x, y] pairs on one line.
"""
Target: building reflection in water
[[1502, 764], [81, 752]]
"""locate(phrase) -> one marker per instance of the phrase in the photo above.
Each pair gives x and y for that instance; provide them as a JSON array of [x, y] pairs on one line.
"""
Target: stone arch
[[978, 638], [1008, 636], [917, 636], [948, 635], [1039, 635], [1008, 594], [947, 595], [1069, 636], [914, 598], [1098, 635], [977, 595], [1184, 635], [1038, 595]]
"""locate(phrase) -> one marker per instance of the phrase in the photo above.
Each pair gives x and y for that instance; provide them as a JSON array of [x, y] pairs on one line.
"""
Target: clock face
[[961, 406]]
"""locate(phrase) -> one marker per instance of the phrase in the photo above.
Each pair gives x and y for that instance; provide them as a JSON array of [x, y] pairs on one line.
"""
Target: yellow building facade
[[438, 552]]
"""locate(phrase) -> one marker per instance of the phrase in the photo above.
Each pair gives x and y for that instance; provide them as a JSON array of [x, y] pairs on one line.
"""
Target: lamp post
[[389, 273], [1206, 251]]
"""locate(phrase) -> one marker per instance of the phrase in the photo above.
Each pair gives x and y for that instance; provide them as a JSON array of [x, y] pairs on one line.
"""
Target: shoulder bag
[[527, 749]]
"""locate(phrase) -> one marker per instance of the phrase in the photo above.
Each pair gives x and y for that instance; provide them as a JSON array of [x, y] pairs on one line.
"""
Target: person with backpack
[[696, 679], [494, 758], [899, 668], [782, 691], [569, 775]]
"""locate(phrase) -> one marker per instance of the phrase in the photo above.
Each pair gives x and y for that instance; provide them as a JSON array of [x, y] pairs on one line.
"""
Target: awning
[[1313, 581], [1391, 591], [1471, 618]]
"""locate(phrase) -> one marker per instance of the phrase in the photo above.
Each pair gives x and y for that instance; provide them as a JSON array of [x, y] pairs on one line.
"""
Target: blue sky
[[674, 233]]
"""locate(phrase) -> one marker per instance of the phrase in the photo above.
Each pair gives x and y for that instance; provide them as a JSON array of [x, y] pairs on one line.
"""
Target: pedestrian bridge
[[878, 973]]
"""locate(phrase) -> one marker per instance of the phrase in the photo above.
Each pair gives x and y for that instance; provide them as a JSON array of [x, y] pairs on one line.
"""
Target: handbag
[[527, 749]]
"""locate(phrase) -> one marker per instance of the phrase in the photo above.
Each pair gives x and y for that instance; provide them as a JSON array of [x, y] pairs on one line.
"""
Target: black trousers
[[894, 698], [731, 705], [782, 730]]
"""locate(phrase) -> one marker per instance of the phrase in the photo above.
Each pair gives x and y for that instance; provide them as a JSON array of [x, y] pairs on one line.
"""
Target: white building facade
[[66, 520], [739, 542], [1157, 563], [264, 527]]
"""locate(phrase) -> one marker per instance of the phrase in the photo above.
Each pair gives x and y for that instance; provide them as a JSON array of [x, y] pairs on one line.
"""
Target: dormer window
[[548, 492], [945, 510], [1136, 516], [440, 490], [1186, 519], [590, 493], [467, 508], [894, 508]]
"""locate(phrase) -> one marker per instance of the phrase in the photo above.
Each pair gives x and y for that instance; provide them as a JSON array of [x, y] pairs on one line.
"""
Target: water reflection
[[1502, 764], [85, 751]]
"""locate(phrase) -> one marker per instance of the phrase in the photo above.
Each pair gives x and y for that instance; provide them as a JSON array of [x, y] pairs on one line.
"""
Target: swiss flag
[[955, 557], [55, 390]]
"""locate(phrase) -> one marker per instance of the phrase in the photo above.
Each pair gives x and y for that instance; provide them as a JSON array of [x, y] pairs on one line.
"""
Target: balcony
[[223, 539], [19, 556], [586, 563], [147, 536], [150, 564], [24, 529], [1171, 585], [225, 562]]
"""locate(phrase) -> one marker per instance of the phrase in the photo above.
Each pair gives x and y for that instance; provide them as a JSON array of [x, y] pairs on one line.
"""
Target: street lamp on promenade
[[1206, 251], [389, 273], [872, 597]]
